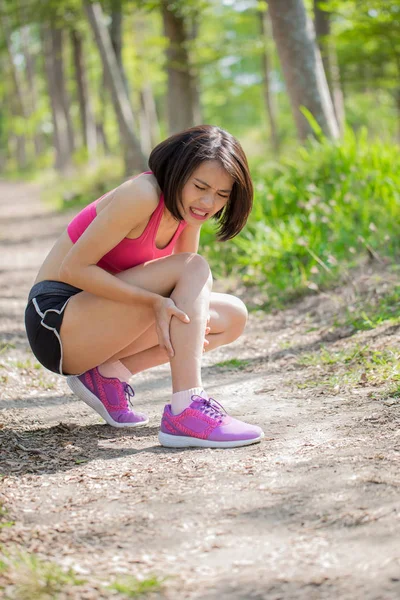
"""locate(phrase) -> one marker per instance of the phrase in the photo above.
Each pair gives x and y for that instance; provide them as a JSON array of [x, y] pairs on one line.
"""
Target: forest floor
[[91, 512]]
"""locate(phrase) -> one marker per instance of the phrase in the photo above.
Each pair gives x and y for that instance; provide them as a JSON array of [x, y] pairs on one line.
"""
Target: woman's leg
[[228, 319], [94, 329]]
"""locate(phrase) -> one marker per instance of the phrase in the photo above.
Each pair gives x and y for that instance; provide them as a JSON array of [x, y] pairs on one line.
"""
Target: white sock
[[181, 400], [115, 369]]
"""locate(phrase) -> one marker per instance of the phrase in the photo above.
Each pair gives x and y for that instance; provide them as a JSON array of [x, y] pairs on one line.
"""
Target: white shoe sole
[[91, 400], [175, 441]]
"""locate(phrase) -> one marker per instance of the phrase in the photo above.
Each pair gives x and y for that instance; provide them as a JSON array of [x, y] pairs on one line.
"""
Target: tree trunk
[[101, 136], [150, 111], [118, 92], [17, 100], [330, 61], [57, 36], [197, 110], [149, 125], [269, 99], [398, 114], [85, 106], [302, 66], [116, 37], [181, 99], [60, 128], [116, 42], [32, 87]]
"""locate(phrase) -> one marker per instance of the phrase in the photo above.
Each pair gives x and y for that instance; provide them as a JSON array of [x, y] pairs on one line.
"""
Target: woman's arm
[[133, 202], [188, 241]]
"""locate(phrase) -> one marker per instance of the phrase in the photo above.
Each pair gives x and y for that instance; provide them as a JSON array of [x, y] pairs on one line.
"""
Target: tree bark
[[149, 125], [118, 92], [60, 129], [330, 61], [181, 100], [398, 114], [85, 106], [116, 37], [269, 99], [116, 42], [57, 36], [150, 110], [32, 87], [302, 66], [17, 99]]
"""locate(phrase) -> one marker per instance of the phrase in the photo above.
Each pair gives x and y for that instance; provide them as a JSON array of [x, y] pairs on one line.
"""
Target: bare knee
[[234, 317], [196, 265]]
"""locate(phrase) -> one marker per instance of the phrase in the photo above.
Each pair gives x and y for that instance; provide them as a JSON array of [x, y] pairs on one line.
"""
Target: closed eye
[[203, 189]]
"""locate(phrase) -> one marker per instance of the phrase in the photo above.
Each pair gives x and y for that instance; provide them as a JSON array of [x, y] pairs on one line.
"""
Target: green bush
[[315, 215], [83, 185]]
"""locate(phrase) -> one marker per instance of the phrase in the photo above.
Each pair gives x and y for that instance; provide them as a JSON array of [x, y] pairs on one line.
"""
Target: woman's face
[[206, 192]]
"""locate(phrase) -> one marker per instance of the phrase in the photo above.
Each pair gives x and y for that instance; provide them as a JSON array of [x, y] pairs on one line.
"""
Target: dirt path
[[312, 512]]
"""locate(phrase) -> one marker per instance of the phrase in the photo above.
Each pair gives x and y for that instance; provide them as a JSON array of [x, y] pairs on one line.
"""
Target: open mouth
[[198, 214]]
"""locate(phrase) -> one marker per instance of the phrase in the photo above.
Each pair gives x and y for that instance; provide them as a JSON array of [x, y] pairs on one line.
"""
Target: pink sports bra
[[129, 252]]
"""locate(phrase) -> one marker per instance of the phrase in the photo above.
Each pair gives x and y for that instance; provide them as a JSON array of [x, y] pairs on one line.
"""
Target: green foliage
[[233, 363], [84, 186], [315, 215], [354, 364], [384, 310], [367, 35], [132, 587], [36, 579]]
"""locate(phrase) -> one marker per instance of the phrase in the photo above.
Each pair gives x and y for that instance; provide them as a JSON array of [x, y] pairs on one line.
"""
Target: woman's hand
[[208, 329], [165, 309]]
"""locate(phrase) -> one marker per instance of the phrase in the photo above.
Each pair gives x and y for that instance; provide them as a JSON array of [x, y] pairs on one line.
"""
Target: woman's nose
[[207, 200]]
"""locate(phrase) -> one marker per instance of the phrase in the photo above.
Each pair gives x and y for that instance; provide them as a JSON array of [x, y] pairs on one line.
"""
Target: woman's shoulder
[[142, 192]]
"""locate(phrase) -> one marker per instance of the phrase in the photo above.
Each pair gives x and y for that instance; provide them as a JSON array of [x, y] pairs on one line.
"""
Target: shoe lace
[[129, 392], [212, 409]]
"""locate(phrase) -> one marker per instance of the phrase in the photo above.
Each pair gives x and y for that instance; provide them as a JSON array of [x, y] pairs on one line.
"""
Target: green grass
[[385, 309], [135, 588], [29, 577], [233, 363], [353, 365], [5, 346], [3, 518], [392, 392], [27, 364], [35, 579]]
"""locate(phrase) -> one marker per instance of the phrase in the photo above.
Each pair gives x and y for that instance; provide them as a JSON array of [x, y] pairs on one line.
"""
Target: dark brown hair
[[174, 160]]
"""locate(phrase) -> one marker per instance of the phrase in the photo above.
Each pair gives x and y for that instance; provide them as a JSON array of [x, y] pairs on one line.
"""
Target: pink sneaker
[[205, 424], [108, 396]]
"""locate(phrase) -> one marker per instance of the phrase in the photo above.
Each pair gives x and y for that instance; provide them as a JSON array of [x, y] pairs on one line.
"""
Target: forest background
[[89, 88]]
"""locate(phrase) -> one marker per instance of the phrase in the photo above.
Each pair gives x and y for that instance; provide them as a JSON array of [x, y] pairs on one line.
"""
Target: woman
[[124, 289]]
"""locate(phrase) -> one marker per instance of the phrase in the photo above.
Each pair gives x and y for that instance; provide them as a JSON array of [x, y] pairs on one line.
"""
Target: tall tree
[[116, 35], [302, 66], [322, 20], [62, 146], [368, 44], [270, 103], [33, 95], [181, 95], [85, 105], [120, 98], [16, 97], [58, 40]]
